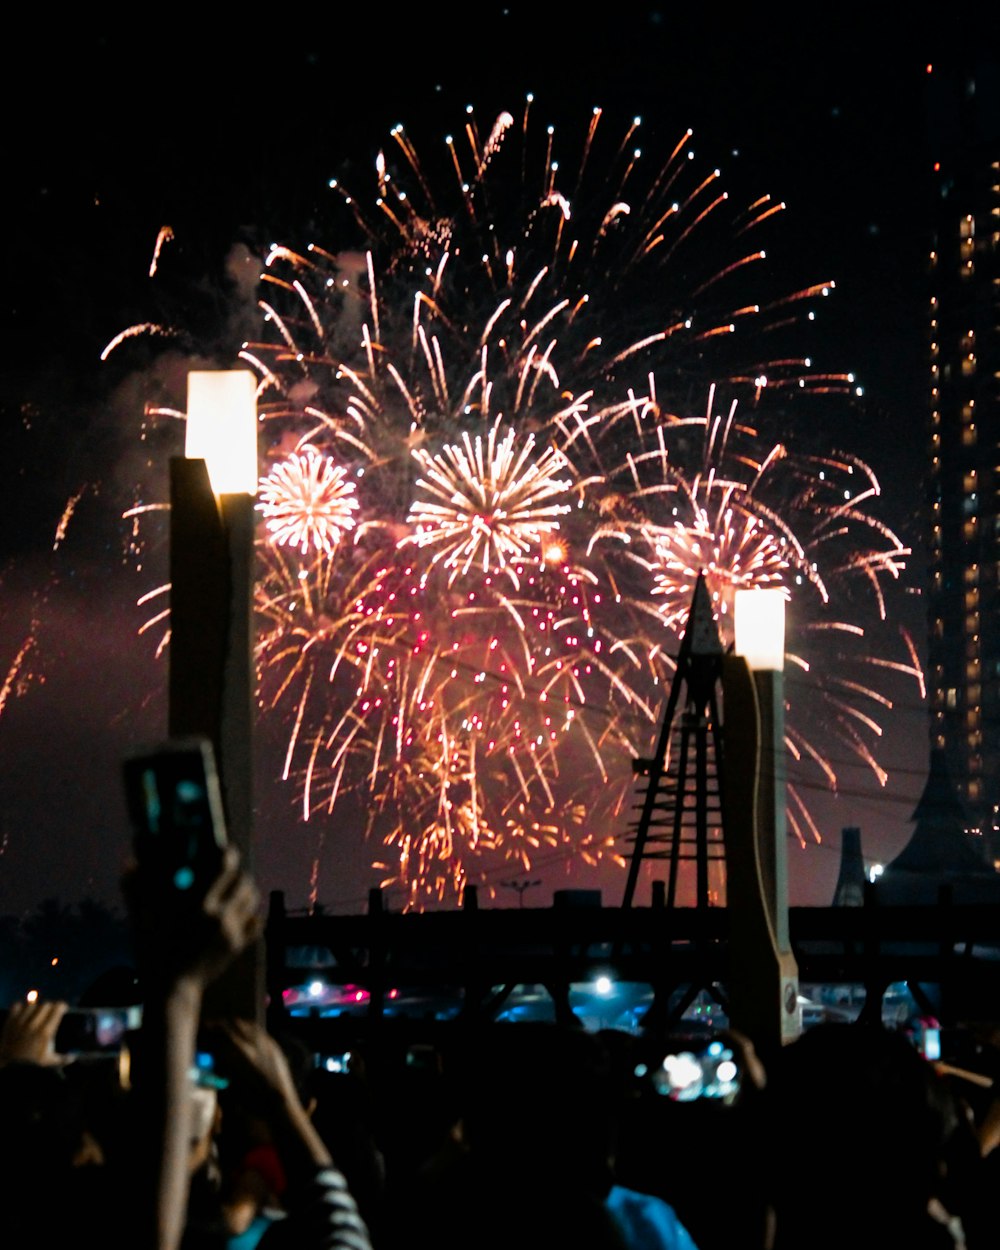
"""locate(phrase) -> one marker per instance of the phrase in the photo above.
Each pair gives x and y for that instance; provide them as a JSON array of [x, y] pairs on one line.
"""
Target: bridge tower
[[680, 816]]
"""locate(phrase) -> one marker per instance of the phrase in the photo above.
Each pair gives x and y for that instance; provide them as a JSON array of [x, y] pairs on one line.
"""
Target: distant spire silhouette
[[939, 842], [940, 852]]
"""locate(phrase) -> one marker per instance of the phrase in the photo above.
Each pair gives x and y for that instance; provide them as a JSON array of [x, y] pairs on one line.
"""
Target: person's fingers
[[243, 1036], [231, 1034], [225, 880], [233, 898], [239, 911], [242, 894], [50, 1014], [37, 1016], [245, 1030]]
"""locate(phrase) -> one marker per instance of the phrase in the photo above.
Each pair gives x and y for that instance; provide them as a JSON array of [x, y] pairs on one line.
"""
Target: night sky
[[230, 139]]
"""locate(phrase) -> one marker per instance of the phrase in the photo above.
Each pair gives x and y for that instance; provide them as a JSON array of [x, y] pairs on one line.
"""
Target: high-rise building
[[963, 657]]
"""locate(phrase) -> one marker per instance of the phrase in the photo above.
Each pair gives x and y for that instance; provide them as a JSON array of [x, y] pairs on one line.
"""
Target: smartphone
[[175, 805], [930, 1042], [95, 1030], [204, 1073], [711, 1071], [424, 1057], [334, 1063]]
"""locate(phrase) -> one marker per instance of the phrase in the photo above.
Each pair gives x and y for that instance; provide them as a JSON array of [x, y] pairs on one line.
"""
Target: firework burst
[[308, 502], [489, 504], [704, 495], [488, 535]]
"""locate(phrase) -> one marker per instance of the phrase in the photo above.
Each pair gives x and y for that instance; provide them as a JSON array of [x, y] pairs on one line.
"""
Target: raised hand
[[29, 1033], [192, 943]]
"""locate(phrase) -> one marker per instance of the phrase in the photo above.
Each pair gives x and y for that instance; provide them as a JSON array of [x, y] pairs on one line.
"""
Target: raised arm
[[322, 1213], [180, 951]]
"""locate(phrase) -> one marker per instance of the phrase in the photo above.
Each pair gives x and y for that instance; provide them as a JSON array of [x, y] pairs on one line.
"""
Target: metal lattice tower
[[681, 811]]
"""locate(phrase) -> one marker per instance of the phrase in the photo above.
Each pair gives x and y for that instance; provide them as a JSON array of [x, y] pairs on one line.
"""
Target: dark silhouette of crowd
[[201, 1132]]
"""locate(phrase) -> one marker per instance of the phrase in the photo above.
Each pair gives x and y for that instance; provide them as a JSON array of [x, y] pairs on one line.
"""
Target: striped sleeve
[[322, 1215]]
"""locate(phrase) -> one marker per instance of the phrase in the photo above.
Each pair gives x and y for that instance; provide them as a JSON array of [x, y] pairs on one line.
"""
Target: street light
[[211, 626], [759, 623], [520, 887], [764, 974], [222, 428]]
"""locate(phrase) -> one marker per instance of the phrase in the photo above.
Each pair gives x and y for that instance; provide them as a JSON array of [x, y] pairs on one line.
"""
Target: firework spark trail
[[18, 678], [164, 235], [67, 516], [504, 372], [20, 674], [146, 327]]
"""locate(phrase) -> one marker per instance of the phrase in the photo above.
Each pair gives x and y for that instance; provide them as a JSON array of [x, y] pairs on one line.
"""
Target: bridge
[[947, 954]]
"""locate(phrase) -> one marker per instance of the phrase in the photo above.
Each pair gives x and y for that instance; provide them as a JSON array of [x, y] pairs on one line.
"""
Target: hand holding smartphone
[[709, 1069], [95, 1030], [175, 806]]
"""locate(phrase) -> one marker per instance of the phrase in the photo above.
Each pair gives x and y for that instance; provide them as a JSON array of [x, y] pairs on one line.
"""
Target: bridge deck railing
[[953, 948]]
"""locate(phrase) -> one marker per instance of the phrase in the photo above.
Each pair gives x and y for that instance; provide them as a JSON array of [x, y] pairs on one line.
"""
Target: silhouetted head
[[543, 1097], [855, 1120]]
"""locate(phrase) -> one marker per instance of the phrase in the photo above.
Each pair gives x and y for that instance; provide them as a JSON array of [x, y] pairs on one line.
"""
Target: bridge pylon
[[680, 816]]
